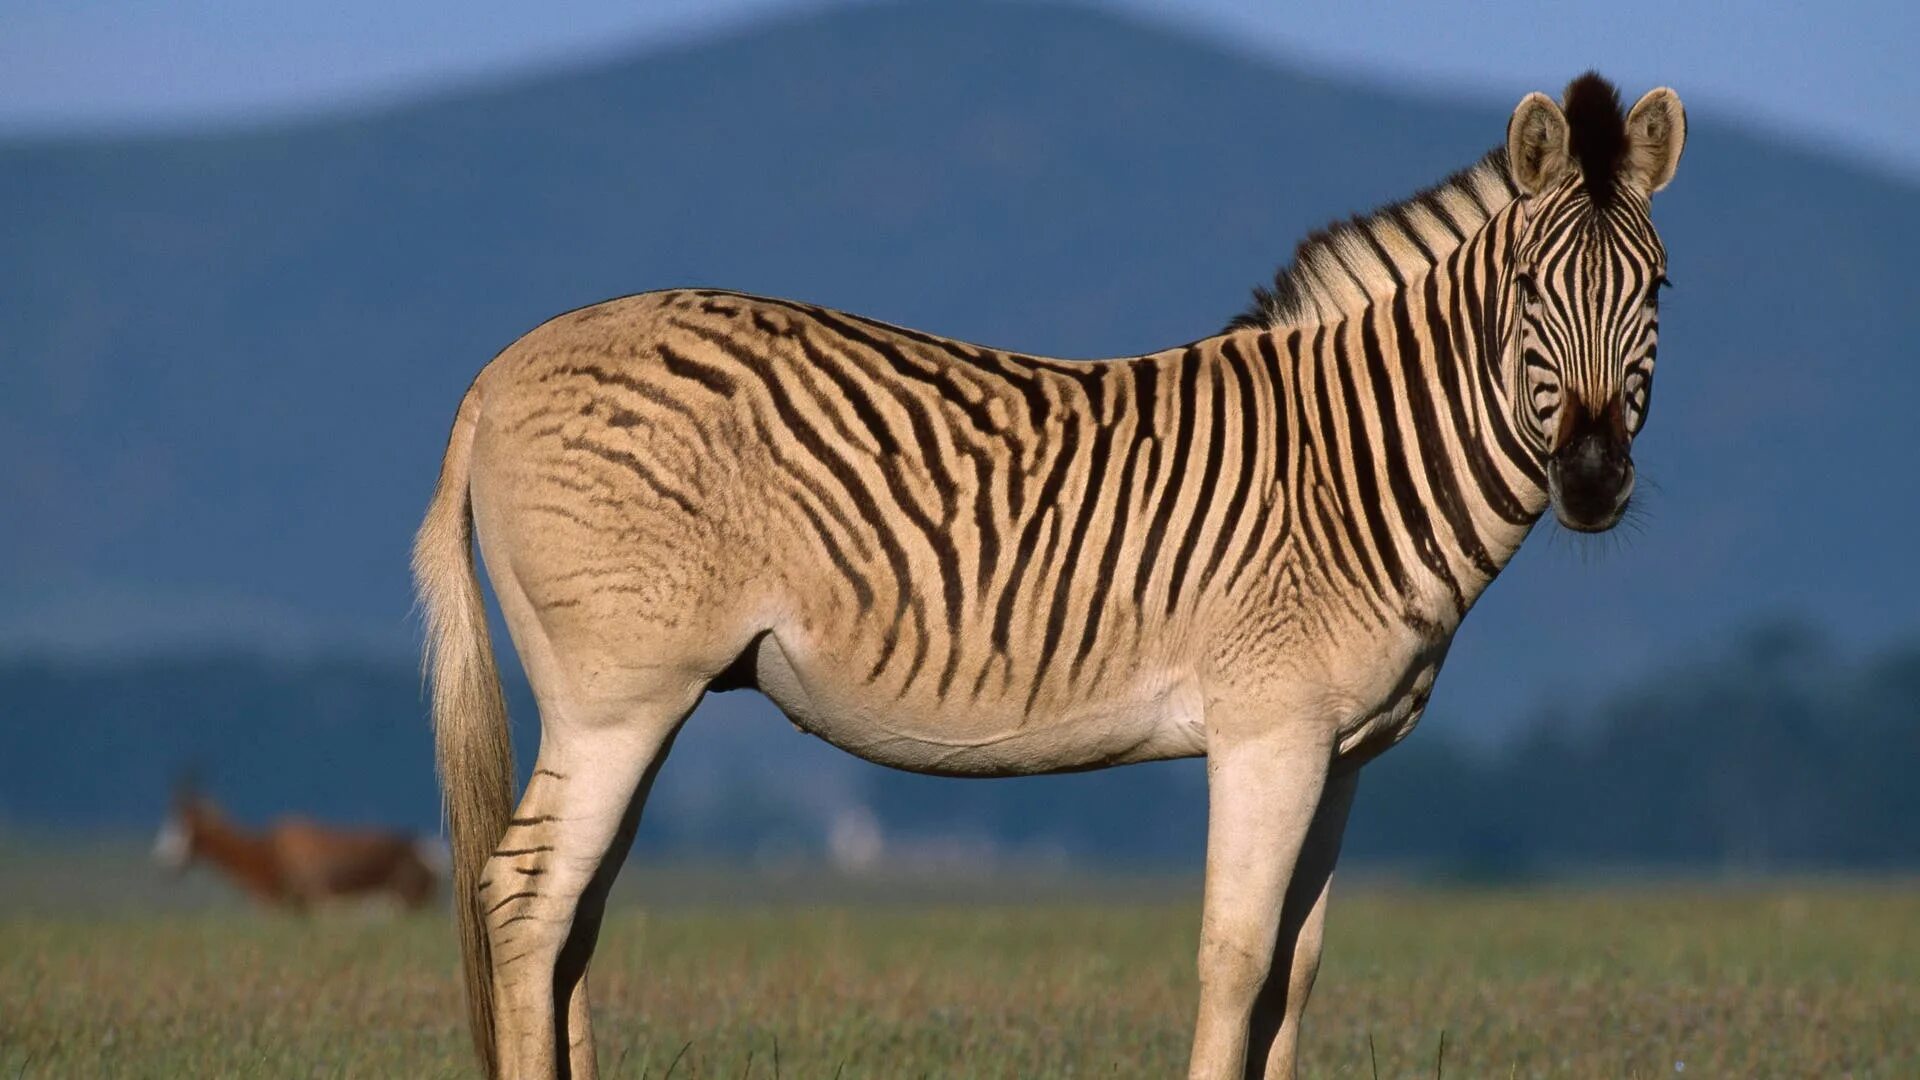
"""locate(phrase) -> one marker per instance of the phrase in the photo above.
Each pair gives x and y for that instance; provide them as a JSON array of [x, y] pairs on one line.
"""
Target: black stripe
[[525, 894], [1092, 497], [1329, 461], [1372, 510], [768, 326], [1442, 329], [1176, 474], [1145, 376], [1385, 259], [1437, 206], [862, 589], [1396, 451], [1209, 477], [1434, 453], [918, 417], [866, 418], [1490, 348], [977, 413], [635, 466], [1331, 528], [1472, 192], [688, 368], [1155, 446], [565, 513], [1249, 414], [805, 480], [1280, 420], [1402, 216], [906, 601], [699, 422], [1046, 500], [893, 460], [939, 377]]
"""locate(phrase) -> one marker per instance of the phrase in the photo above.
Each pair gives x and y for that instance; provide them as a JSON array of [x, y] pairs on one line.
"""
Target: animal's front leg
[[1296, 954], [1263, 789]]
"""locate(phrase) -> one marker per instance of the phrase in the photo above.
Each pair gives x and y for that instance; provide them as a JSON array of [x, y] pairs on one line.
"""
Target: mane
[[1597, 134], [1345, 266]]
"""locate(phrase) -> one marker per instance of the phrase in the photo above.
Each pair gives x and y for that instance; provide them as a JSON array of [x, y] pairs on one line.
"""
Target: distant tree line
[[1777, 754]]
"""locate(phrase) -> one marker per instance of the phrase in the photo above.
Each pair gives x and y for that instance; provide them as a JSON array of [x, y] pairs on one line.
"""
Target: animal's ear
[[1537, 141], [1656, 133]]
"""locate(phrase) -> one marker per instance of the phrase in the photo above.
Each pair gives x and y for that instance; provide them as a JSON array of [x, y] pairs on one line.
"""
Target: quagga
[[961, 560]]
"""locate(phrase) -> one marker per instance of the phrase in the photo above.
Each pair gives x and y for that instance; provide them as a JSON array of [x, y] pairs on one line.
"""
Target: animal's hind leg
[[546, 884], [570, 973]]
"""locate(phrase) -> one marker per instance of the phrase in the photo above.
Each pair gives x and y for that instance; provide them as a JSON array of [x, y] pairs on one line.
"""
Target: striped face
[[1586, 285]]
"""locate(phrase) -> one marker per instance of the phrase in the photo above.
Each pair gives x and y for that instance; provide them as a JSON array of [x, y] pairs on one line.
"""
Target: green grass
[[1764, 981]]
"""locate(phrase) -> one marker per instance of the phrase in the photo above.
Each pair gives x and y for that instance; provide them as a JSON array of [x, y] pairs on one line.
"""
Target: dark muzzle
[[1590, 472]]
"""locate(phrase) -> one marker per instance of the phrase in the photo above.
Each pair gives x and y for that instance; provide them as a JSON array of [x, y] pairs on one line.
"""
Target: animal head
[[177, 843], [1588, 268]]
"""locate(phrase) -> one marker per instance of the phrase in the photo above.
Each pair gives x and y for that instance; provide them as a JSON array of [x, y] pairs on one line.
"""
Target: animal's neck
[[244, 856], [1411, 417], [1471, 305]]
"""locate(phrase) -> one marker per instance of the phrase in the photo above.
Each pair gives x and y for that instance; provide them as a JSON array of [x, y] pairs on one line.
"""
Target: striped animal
[[966, 561], [295, 863]]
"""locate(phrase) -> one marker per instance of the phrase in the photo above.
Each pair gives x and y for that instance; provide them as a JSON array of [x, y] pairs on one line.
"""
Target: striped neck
[[1408, 405]]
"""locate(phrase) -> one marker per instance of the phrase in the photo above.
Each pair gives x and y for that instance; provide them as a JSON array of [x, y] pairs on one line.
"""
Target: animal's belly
[[1153, 717]]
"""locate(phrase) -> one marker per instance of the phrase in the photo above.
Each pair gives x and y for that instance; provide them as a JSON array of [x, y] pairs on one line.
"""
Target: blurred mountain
[[228, 362]]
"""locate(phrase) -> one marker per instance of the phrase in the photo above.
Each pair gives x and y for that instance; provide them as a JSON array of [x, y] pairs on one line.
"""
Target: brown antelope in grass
[[296, 863], [974, 562]]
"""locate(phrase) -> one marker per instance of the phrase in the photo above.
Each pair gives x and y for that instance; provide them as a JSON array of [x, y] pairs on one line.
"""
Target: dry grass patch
[[1754, 982]]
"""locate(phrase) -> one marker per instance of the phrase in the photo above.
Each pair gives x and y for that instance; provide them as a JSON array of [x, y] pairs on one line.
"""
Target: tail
[[471, 744]]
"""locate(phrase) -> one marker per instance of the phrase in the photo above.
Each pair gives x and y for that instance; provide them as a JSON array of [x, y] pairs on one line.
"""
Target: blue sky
[[1836, 75]]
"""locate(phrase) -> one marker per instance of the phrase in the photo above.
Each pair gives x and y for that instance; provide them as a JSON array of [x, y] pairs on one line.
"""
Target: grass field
[[1774, 981]]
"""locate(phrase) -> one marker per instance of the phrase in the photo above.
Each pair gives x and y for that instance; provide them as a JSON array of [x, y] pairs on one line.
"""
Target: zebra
[[967, 561]]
